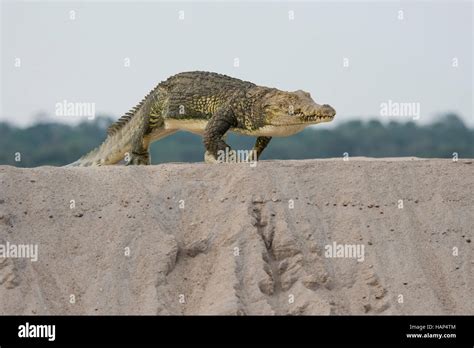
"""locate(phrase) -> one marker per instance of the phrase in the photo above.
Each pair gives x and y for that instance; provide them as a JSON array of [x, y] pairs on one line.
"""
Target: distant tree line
[[58, 144]]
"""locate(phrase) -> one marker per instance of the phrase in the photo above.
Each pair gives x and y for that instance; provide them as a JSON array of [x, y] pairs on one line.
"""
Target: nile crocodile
[[208, 104]]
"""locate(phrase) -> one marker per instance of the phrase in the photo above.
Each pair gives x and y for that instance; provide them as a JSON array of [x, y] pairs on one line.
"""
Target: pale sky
[[405, 60]]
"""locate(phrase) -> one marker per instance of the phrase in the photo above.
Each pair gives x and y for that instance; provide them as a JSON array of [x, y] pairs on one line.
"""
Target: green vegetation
[[59, 144]]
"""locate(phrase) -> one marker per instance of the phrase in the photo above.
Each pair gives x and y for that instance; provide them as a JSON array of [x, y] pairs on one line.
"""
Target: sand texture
[[231, 239]]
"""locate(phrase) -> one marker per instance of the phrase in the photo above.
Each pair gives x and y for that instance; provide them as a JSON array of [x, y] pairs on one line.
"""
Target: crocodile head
[[294, 108]]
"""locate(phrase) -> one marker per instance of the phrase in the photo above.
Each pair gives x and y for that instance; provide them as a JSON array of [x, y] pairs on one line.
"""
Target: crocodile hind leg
[[214, 133], [260, 145], [139, 158], [140, 154]]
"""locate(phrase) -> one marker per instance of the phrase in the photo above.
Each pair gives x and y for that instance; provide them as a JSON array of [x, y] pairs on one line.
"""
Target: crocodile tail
[[111, 151], [117, 143], [92, 159], [119, 136]]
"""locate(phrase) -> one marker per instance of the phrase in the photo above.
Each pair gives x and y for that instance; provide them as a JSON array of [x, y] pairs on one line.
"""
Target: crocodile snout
[[327, 111]]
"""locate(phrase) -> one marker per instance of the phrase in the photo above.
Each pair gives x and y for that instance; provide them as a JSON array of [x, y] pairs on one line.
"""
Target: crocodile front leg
[[260, 145], [214, 133]]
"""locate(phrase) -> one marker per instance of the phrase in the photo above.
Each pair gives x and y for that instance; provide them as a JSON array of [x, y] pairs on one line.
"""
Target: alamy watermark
[[239, 156], [75, 109], [400, 109], [37, 331], [351, 251], [27, 251]]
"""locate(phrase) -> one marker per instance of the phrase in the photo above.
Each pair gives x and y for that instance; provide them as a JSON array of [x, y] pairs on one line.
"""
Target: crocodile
[[208, 104]]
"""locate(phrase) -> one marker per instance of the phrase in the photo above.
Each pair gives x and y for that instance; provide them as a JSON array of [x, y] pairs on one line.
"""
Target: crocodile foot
[[139, 159], [209, 158]]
